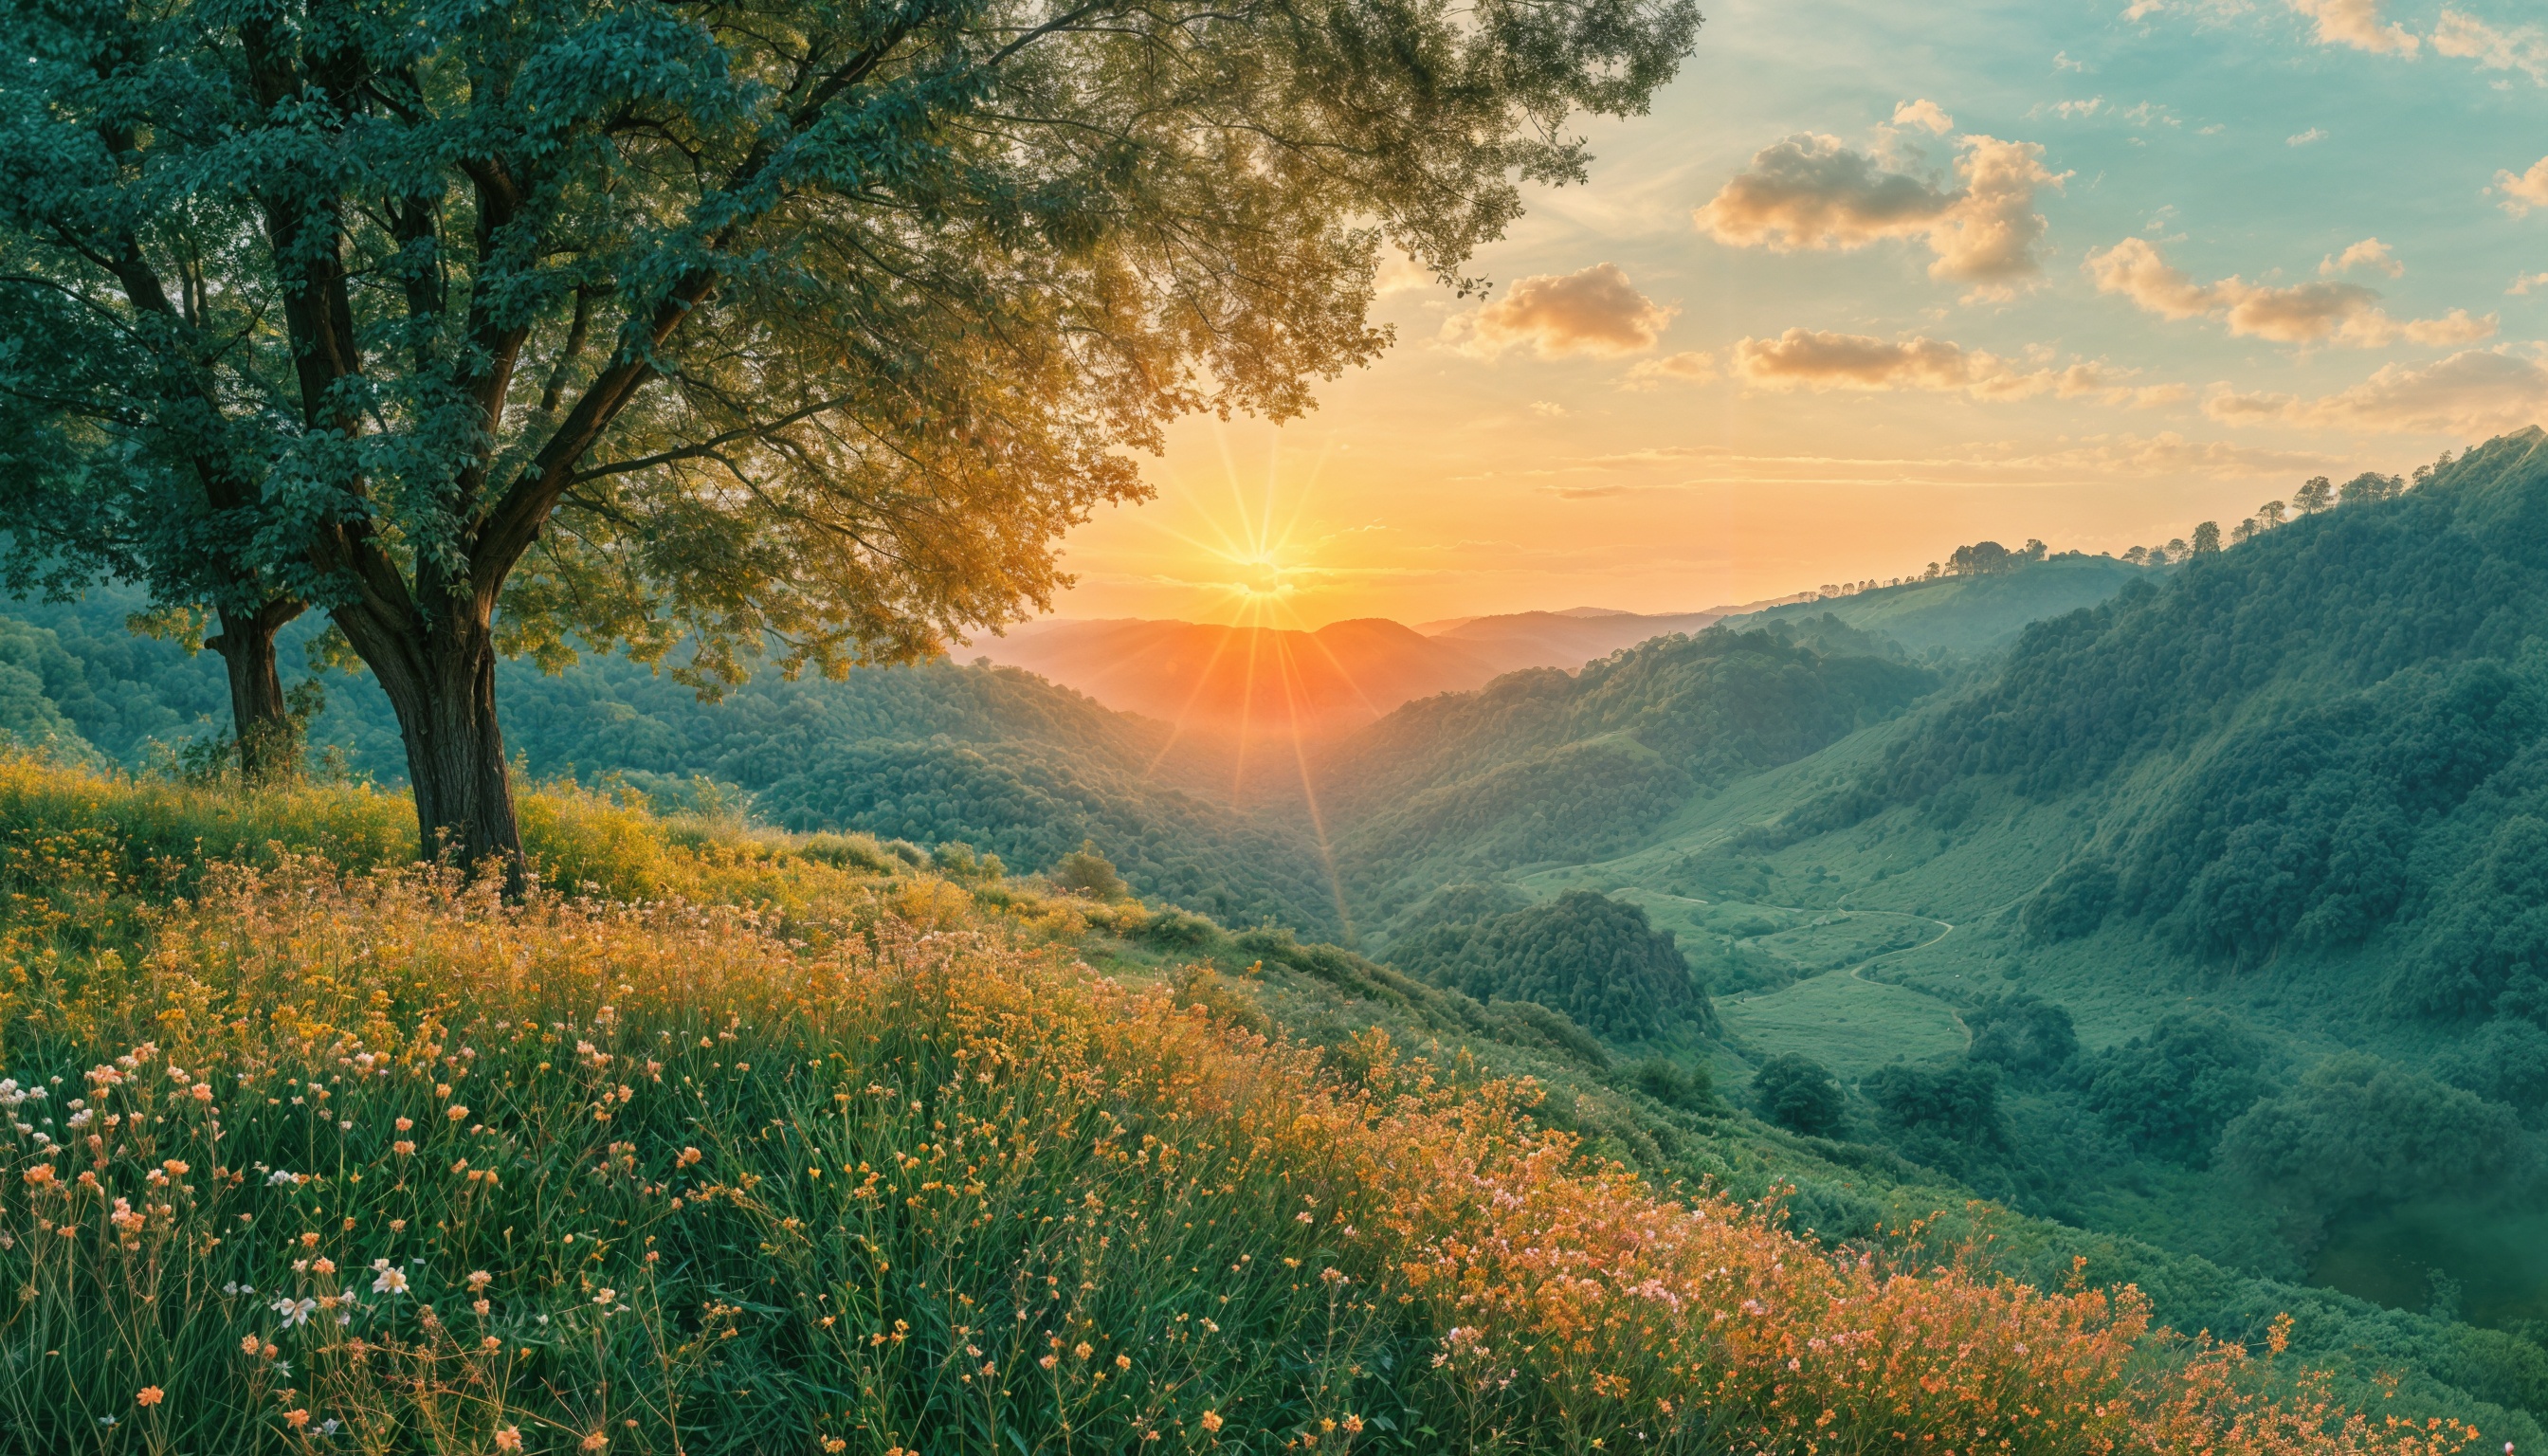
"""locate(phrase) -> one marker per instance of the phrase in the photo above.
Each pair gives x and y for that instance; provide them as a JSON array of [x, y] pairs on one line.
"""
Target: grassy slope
[[993, 758], [1965, 615], [914, 1154]]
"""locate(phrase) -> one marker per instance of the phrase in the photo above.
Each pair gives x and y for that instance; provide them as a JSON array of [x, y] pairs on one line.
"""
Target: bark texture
[[269, 740], [440, 678]]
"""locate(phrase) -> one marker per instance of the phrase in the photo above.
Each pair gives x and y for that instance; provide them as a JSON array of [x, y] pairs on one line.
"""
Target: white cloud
[[1548, 409], [1810, 191], [2356, 23], [1818, 360], [2146, 113], [2477, 392], [2527, 190], [2370, 252], [2303, 139], [2299, 314], [1682, 368], [2141, 9], [1400, 273], [2525, 282], [1926, 115], [2062, 62], [2453, 328], [2135, 269], [2469, 38], [1594, 310], [2073, 110]]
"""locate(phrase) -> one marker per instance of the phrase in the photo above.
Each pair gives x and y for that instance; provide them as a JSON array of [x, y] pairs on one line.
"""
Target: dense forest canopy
[[2332, 732]]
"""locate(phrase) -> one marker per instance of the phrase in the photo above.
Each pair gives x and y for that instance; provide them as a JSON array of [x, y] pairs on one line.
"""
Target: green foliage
[[1799, 1093], [2072, 903], [1681, 1084], [2488, 940], [930, 754], [2409, 1363], [2349, 725], [2360, 1132], [655, 276], [1957, 1103], [2507, 1061], [1084, 871], [2022, 1034], [2300, 830], [1989, 558], [2172, 1091], [1591, 956], [1459, 904]]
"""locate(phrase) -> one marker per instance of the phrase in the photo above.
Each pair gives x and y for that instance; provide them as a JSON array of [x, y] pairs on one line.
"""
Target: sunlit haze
[[1875, 280]]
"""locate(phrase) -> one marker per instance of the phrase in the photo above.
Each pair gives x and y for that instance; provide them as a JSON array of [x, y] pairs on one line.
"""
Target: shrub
[[1685, 1085], [1799, 1093], [1955, 1103], [2072, 903], [1084, 871], [2172, 1092], [2506, 1062], [2022, 1034]]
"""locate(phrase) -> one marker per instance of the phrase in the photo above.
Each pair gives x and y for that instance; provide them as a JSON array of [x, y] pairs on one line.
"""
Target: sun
[[1261, 580]]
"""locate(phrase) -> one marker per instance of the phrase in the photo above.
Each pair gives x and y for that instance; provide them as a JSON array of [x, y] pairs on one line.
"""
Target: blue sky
[[1875, 279]]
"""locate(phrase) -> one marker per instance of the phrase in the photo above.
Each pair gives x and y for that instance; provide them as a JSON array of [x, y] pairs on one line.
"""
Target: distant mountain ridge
[[1287, 681]]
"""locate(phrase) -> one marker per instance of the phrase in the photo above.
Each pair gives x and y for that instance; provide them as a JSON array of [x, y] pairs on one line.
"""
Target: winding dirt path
[[1854, 969]]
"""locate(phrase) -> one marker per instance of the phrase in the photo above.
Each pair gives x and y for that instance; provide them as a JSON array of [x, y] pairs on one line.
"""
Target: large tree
[[791, 328]]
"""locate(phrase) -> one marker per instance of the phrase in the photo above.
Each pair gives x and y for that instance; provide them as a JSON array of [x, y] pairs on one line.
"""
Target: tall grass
[[318, 1159]]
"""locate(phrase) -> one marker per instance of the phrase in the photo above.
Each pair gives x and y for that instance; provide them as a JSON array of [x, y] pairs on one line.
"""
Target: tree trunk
[[269, 740], [441, 682]]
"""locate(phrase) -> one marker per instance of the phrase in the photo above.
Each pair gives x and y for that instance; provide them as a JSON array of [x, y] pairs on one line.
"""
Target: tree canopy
[[784, 328], [1594, 957]]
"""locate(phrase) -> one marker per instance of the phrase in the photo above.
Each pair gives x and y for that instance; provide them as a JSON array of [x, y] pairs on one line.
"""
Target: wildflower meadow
[[727, 1145]]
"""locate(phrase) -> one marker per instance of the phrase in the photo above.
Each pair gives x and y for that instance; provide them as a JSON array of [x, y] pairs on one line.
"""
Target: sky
[[1872, 280]]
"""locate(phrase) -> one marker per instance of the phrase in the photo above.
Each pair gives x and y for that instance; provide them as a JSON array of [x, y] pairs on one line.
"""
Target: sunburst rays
[[1253, 550]]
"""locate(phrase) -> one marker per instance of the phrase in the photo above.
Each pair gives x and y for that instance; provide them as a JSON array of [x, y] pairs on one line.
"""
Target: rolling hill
[[1270, 681], [1544, 766], [1965, 616], [2252, 847], [1243, 681]]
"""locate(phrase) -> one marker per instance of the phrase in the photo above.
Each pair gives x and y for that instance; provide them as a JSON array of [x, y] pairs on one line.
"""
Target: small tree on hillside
[[2206, 538], [793, 328], [2270, 514], [2369, 488], [2314, 495], [1797, 1092], [1982, 557], [1084, 871]]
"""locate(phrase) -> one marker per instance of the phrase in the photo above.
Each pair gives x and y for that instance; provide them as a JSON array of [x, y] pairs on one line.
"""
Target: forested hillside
[[2327, 736], [992, 758], [2215, 913], [1548, 766]]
